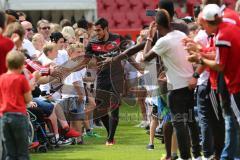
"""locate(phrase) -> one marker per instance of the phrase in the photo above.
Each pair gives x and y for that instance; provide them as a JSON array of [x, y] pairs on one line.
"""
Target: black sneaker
[[174, 157], [150, 147]]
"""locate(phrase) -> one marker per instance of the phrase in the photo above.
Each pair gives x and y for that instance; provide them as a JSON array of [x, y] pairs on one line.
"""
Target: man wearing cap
[[228, 14], [209, 110], [227, 60], [218, 82]]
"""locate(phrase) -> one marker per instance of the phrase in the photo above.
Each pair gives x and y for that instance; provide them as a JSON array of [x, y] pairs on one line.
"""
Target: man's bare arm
[[129, 52]]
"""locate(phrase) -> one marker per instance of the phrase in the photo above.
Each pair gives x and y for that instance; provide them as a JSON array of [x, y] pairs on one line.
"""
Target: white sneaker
[[140, 124], [65, 142], [198, 158], [209, 158], [144, 124]]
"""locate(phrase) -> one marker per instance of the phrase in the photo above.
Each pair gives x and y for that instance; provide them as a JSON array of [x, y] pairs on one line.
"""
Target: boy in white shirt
[[73, 93]]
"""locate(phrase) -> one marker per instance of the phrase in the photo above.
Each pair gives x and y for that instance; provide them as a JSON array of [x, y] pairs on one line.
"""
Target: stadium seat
[[100, 7], [145, 20], [149, 5], [108, 2], [111, 23], [136, 25], [179, 13], [120, 20], [105, 15], [125, 9], [134, 20], [122, 2]]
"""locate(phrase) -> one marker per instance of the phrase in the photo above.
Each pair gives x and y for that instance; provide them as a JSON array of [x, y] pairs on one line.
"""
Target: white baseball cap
[[210, 11]]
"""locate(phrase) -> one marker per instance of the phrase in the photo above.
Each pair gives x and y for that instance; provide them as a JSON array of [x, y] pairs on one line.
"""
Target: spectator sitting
[[43, 28], [73, 93], [59, 40], [38, 42], [27, 44]]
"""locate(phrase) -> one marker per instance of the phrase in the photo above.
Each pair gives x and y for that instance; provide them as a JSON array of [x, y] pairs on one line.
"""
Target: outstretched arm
[[132, 61], [129, 52]]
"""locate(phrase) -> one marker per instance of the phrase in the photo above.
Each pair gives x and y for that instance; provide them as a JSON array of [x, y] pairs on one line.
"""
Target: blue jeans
[[15, 136], [181, 103], [212, 128], [231, 137]]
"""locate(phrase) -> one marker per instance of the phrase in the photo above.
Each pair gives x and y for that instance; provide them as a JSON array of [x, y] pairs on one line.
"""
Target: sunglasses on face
[[45, 28], [29, 29]]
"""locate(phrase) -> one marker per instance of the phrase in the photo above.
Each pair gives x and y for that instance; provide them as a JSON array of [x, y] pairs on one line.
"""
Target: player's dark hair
[[102, 22]]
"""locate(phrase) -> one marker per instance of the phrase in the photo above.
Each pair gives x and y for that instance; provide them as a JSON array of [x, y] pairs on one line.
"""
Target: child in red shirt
[[15, 93]]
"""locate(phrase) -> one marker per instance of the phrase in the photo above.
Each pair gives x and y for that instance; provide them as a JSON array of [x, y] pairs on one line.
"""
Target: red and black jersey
[[96, 47], [111, 74]]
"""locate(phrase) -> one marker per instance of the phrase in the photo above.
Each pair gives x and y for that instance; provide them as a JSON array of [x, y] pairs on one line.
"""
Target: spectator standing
[[15, 121]]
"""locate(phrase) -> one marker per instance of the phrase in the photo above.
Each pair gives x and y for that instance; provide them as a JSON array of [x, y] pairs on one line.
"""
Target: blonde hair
[[80, 30], [72, 47], [54, 27], [68, 31], [42, 21], [48, 47], [36, 37], [15, 27], [15, 59]]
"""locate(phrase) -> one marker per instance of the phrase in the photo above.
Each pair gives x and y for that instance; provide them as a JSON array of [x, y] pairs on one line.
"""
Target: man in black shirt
[[109, 79], [175, 25]]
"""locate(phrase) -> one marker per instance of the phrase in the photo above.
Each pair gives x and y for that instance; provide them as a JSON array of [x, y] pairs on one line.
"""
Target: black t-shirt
[[111, 74]]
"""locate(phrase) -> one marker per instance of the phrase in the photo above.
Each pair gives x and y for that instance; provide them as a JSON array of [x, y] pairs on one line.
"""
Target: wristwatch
[[196, 75], [201, 61]]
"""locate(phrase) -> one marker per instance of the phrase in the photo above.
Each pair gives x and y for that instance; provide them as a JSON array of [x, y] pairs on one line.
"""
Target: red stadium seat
[[108, 2], [120, 20], [149, 4], [125, 9], [111, 23], [111, 9], [134, 2], [145, 20], [105, 15], [134, 20], [137, 25], [122, 2], [100, 7]]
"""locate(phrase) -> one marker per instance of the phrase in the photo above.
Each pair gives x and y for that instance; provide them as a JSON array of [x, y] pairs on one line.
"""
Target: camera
[[81, 39], [151, 13]]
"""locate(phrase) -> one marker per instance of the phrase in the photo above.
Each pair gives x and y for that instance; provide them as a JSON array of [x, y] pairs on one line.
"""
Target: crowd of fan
[[54, 71]]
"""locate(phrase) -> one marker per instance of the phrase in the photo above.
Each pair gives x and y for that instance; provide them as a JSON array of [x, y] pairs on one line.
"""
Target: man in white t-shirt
[[178, 72], [27, 44], [73, 93]]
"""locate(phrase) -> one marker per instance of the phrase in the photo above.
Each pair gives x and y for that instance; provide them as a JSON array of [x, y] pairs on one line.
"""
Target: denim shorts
[[45, 106], [73, 109]]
